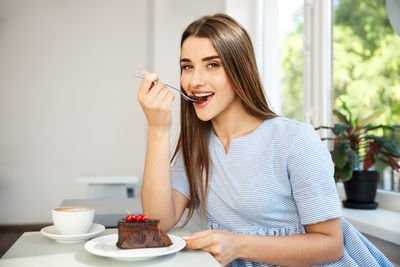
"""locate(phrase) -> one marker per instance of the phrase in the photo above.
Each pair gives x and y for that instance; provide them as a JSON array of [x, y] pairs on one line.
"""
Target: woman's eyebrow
[[209, 58], [203, 59]]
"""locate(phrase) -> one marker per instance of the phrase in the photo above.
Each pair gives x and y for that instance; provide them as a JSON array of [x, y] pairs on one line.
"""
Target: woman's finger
[[155, 90], [147, 83], [199, 241], [197, 234], [159, 96], [168, 99]]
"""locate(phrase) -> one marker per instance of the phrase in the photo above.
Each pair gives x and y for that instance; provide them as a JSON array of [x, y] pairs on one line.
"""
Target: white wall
[[68, 96], [67, 99]]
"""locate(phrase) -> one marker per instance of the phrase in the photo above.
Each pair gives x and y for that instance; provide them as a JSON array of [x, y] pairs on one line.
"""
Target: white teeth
[[203, 94]]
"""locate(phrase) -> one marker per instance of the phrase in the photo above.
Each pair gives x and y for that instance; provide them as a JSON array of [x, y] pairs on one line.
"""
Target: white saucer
[[106, 246], [52, 233]]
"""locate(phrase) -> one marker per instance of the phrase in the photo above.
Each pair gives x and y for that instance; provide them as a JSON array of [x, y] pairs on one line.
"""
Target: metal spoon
[[197, 99]]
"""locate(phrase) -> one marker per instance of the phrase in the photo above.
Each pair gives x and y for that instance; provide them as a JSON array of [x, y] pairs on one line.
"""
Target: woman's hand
[[156, 101], [223, 245]]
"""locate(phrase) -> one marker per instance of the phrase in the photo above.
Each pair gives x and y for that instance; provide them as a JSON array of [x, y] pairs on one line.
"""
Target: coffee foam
[[73, 209]]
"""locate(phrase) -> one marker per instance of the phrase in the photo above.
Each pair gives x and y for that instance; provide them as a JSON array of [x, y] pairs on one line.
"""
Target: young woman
[[264, 182]]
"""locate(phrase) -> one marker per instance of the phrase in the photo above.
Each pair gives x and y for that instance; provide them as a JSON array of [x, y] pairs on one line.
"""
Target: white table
[[33, 249]]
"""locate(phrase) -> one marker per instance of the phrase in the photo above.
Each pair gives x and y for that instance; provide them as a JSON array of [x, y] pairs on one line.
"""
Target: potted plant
[[356, 149]]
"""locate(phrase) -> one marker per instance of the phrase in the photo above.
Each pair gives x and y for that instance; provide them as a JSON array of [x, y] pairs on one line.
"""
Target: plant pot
[[361, 190]]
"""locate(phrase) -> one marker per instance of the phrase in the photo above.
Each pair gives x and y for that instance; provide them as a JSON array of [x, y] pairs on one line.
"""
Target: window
[[297, 59], [282, 62], [366, 60], [291, 18]]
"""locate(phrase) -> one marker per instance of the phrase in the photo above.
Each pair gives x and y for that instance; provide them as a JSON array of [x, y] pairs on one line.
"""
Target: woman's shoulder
[[285, 127]]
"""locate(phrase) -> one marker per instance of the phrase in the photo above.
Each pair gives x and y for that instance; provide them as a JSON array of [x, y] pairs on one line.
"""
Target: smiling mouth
[[202, 97]]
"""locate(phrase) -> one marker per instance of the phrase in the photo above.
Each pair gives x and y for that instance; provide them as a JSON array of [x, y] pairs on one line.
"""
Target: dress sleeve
[[179, 178], [310, 170]]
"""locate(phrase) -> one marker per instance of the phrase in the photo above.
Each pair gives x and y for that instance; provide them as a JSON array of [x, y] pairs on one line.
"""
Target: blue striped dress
[[273, 182]]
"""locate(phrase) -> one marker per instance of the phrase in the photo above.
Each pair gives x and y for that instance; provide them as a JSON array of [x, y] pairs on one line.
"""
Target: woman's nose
[[197, 79]]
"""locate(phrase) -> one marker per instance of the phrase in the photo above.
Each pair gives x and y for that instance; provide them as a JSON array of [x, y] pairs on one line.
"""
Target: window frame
[[318, 81]]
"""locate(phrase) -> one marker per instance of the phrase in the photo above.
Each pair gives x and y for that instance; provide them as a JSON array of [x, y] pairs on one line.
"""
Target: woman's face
[[203, 74]]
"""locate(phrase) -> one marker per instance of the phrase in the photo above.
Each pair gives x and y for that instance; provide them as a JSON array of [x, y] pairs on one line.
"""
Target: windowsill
[[382, 223], [379, 223]]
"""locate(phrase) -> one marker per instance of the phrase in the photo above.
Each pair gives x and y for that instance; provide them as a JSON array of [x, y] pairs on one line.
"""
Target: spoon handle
[[170, 86]]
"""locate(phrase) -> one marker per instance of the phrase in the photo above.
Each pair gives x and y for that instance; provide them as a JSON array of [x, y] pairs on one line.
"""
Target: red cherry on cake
[[141, 217], [130, 218]]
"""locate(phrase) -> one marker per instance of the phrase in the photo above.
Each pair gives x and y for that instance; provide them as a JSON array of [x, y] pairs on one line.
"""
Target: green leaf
[[339, 128], [389, 155], [371, 117], [356, 123], [348, 111], [385, 143], [340, 116], [389, 162], [353, 159], [344, 173], [340, 155], [370, 127], [337, 175]]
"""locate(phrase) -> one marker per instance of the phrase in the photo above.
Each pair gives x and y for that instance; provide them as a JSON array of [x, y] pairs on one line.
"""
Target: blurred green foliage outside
[[366, 63]]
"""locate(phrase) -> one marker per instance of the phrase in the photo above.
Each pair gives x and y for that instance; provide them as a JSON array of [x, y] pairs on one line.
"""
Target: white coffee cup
[[73, 220]]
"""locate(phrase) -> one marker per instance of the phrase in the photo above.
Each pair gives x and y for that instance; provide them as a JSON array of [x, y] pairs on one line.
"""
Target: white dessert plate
[[52, 233], [106, 246]]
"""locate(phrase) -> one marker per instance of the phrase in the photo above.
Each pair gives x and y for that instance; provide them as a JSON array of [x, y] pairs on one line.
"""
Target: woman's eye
[[213, 65], [186, 67]]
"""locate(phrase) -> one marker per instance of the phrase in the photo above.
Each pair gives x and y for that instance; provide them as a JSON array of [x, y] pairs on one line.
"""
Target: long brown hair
[[236, 52]]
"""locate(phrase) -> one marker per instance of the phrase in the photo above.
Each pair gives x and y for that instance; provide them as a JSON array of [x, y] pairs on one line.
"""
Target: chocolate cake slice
[[141, 234]]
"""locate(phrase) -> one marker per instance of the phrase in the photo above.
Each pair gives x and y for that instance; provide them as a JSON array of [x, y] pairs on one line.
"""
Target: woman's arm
[[323, 243], [158, 199]]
